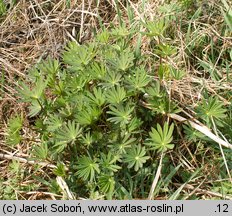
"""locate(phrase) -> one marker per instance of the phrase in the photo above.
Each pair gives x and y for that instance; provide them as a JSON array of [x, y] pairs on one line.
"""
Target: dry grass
[[29, 32]]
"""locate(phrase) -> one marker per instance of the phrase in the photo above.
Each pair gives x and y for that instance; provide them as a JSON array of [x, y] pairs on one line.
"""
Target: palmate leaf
[[192, 134], [121, 31], [108, 162], [115, 95], [155, 28], [87, 168], [165, 50], [111, 79], [49, 66], [77, 83], [135, 157], [34, 108], [160, 139], [97, 97], [121, 114], [35, 93], [3, 8], [134, 124], [154, 91], [211, 108], [97, 71], [13, 139], [89, 115], [53, 123], [59, 146], [39, 88], [87, 139], [164, 71], [177, 74], [60, 170], [41, 151], [68, 132], [78, 56], [123, 61], [163, 105], [138, 80], [103, 37], [106, 183], [123, 144], [14, 126]]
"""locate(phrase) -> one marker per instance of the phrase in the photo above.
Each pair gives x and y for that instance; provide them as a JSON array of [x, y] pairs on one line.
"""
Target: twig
[[202, 129], [24, 160], [64, 187], [82, 20], [41, 192], [202, 191], [157, 175]]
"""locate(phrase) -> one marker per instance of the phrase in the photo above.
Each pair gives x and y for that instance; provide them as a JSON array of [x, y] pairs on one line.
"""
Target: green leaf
[[155, 28], [103, 37], [160, 139], [165, 50], [87, 139], [97, 70], [97, 97], [35, 94], [108, 162], [121, 114], [123, 144], [138, 80], [88, 116], [123, 61], [87, 168], [3, 8], [112, 79], [227, 15], [77, 83], [14, 127], [164, 71], [121, 31], [135, 157], [68, 132], [34, 108], [211, 108], [177, 74], [78, 56], [60, 170], [41, 151], [49, 66], [13, 139], [106, 183], [15, 124], [134, 124], [53, 123], [115, 95], [193, 134], [154, 90]]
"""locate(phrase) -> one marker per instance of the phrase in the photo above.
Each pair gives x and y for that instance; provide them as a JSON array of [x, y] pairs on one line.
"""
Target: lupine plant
[[101, 112]]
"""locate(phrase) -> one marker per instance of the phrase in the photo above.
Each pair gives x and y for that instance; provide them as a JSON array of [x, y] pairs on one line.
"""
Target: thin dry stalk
[[202, 191], [64, 187], [155, 181], [24, 160], [202, 129]]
